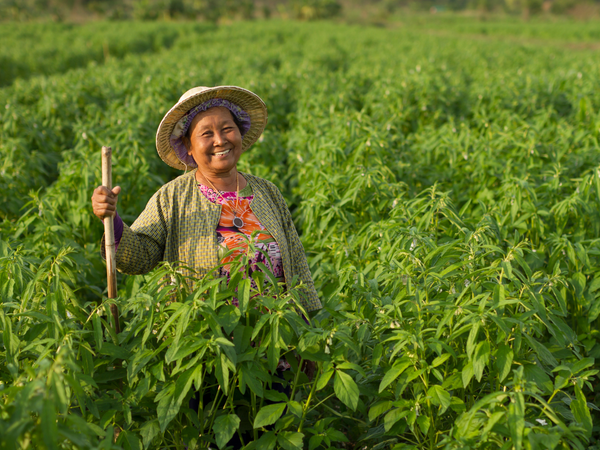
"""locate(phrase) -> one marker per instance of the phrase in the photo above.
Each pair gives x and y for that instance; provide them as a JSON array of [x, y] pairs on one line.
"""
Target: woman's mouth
[[223, 153]]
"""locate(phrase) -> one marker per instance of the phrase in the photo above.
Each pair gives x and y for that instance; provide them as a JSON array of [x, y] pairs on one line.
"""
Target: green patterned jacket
[[179, 223]]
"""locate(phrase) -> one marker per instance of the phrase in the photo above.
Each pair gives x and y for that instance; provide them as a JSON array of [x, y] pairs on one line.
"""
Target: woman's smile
[[223, 153]]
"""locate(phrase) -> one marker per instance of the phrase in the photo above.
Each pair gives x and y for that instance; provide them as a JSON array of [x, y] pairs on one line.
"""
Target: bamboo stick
[[109, 238]]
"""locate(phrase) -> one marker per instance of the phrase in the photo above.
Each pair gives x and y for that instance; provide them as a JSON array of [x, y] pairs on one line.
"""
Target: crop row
[[33, 49]]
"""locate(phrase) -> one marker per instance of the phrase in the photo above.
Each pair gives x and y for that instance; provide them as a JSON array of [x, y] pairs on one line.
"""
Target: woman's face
[[214, 141]]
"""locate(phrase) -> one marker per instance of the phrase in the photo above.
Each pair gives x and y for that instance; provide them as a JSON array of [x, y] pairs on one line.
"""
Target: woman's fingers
[[104, 201]]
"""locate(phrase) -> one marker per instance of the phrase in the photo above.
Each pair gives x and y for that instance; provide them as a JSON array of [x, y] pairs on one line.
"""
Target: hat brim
[[245, 99]]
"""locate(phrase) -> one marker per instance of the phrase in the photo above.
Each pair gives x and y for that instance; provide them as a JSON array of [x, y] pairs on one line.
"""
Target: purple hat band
[[181, 128]]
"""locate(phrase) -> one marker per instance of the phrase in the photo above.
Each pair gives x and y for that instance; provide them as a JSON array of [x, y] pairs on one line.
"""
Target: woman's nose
[[220, 138]]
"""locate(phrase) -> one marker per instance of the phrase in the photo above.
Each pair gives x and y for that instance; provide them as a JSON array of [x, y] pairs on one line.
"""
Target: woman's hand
[[104, 201]]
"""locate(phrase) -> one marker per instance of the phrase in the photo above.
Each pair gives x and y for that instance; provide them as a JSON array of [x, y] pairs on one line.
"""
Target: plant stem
[[254, 430], [230, 396], [308, 400], [212, 409], [296, 378], [325, 399], [333, 411]]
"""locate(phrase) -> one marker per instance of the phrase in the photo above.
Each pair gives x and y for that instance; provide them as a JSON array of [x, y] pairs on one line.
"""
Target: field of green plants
[[447, 191]]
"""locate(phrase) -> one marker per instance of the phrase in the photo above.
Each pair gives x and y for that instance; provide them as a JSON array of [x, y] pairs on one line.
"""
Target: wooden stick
[[109, 238]]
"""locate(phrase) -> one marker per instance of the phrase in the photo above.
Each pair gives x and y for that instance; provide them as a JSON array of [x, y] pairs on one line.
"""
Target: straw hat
[[245, 99]]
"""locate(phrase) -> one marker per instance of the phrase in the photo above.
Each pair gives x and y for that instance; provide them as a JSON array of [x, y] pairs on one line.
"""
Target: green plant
[[447, 192]]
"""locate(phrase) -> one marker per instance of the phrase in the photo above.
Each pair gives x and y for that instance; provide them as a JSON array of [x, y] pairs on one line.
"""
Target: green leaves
[[439, 397], [481, 358], [225, 427], [266, 442], [346, 389], [579, 282], [169, 404], [324, 379], [393, 373], [472, 337], [379, 408], [243, 295], [394, 416], [228, 317], [97, 330], [269, 414], [49, 425], [504, 359], [290, 440], [543, 353], [516, 419], [581, 411], [449, 214], [149, 431]]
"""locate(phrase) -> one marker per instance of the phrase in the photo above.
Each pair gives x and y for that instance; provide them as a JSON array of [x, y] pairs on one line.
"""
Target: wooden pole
[[109, 238]]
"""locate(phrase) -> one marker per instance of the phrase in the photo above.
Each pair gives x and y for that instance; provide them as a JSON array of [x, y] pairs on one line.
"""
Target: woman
[[202, 215]]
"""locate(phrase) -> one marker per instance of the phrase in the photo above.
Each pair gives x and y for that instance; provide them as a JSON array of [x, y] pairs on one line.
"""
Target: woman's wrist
[[118, 224]]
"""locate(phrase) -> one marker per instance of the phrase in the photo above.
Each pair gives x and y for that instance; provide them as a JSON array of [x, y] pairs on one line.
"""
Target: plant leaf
[[243, 295], [481, 358], [49, 426], [224, 428], [516, 419], [228, 318], [290, 440], [472, 337], [581, 411], [440, 397], [266, 442], [378, 409], [393, 373], [467, 374], [324, 379], [269, 414], [392, 417], [504, 359], [149, 431], [346, 389]]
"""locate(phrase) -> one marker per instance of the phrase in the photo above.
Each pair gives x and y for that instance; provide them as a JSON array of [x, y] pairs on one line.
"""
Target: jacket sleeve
[[142, 245], [299, 263]]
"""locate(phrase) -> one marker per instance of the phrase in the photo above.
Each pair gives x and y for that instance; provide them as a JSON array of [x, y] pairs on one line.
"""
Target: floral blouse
[[232, 238]]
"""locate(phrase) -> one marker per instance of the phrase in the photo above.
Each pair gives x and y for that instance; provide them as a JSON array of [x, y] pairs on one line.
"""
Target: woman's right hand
[[104, 201]]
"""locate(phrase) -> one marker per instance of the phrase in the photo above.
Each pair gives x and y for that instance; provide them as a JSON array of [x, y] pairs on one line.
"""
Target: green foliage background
[[448, 195]]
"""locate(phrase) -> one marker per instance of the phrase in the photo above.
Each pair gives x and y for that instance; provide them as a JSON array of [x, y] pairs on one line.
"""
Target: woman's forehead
[[217, 114]]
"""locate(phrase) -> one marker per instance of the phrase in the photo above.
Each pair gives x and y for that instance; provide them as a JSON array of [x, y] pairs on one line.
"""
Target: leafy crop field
[[447, 190]]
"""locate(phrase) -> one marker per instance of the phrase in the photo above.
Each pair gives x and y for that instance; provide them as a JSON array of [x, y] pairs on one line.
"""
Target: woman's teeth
[[222, 153]]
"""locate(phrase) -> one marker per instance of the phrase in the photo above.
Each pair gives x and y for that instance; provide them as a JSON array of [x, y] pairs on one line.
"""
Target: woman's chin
[[220, 167]]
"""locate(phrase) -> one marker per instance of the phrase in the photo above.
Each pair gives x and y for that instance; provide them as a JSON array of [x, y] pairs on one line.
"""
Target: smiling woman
[[206, 217], [214, 140]]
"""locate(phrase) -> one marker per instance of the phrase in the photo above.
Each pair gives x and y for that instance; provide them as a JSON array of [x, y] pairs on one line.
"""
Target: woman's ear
[[187, 143]]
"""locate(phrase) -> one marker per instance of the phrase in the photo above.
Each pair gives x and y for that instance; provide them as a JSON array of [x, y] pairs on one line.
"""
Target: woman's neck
[[223, 182]]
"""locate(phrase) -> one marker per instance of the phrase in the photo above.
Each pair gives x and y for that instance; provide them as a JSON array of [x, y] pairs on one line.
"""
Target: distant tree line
[[211, 10], [508, 6], [215, 10]]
